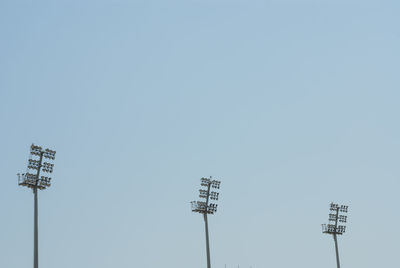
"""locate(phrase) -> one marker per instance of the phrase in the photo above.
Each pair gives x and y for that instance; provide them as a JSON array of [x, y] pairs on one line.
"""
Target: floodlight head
[[212, 208], [203, 193], [27, 179], [36, 150], [342, 218], [47, 167], [341, 229], [332, 217], [199, 206], [215, 184], [334, 207], [214, 195], [33, 164], [328, 228], [49, 154], [44, 182], [205, 181], [344, 209]]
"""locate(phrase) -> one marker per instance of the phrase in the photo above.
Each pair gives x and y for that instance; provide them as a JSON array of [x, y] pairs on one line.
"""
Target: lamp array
[[34, 181], [50, 154], [47, 167], [36, 150], [336, 216], [205, 207]]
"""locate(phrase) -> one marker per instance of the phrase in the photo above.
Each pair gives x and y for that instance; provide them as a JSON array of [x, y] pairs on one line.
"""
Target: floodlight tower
[[35, 182], [205, 208], [336, 216]]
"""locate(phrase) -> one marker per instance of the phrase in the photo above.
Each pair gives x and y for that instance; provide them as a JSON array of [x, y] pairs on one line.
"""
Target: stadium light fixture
[[36, 182], [205, 207], [333, 228]]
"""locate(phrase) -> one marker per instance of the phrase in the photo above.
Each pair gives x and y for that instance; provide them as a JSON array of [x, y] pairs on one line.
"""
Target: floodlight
[[50, 154], [35, 182], [215, 184], [336, 217], [341, 229], [36, 150], [342, 218], [214, 195], [33, 164], [205, 181], [30, 176], [205, 208], [47, 167], [344, 208], [333, 228], [198, 206], [212, 208], [334, 207], [45, 181], [203, 193]]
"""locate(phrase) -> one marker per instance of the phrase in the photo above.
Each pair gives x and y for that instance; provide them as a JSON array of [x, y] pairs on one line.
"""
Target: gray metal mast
[[333, 228], [35, 182], [205, 208]]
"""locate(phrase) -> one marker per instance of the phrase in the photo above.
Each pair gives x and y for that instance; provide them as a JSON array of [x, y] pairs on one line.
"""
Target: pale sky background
[[291, 104]]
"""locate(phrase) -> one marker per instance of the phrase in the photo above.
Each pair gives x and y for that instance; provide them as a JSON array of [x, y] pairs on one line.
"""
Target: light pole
[[35, 182], [336, 216], [205, 208]]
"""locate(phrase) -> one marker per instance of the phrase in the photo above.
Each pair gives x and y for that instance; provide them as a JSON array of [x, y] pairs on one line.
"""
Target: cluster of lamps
[[205, 207], [49, 154], [334, 219], [35, 181], [47, 167]]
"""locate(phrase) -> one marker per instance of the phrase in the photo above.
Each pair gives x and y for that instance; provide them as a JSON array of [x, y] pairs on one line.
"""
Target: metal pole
[[207, 241], [206, 224], [35, 231], [35, 246], [205, 208], [337, 250], [335, 239]]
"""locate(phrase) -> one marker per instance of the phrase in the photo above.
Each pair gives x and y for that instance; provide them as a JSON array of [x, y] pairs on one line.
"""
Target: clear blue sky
[[291, 104]]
